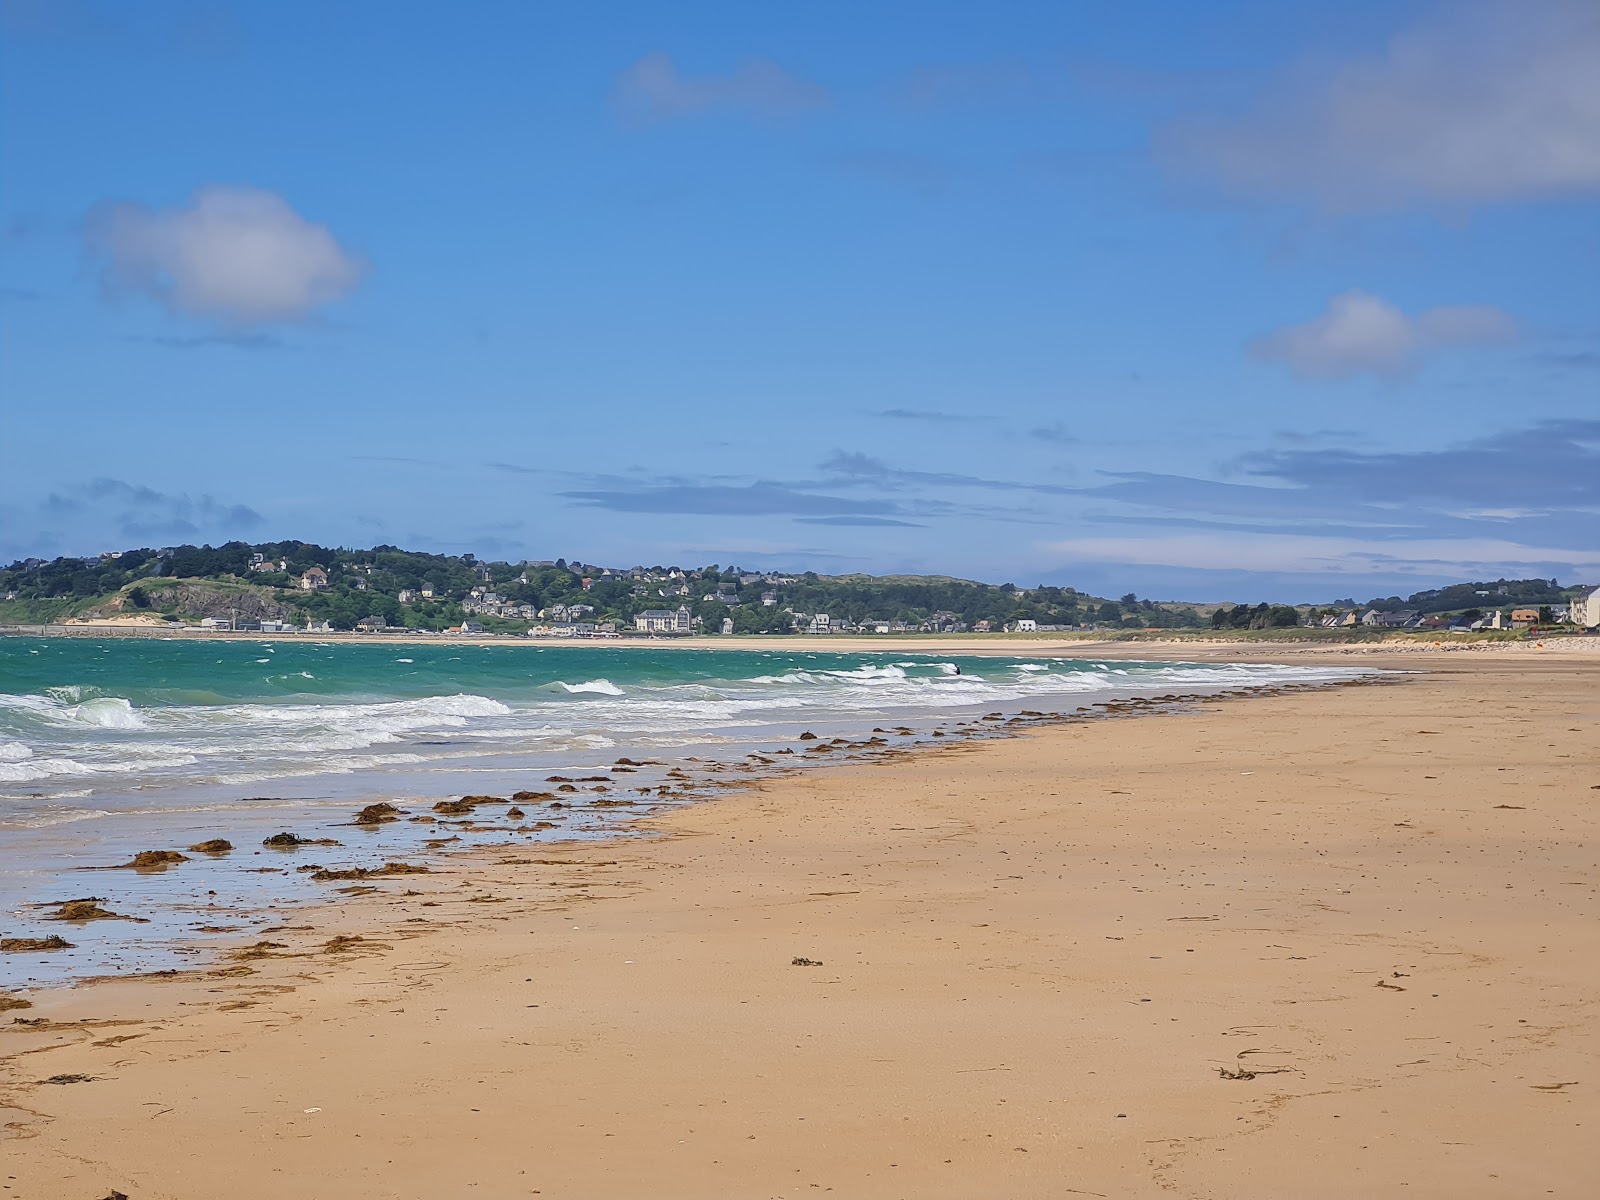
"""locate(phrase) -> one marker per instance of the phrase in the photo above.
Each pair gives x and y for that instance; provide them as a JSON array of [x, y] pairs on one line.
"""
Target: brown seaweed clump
[[261, 949], [214, 846], [154, 860], [86, 909], [535, 796], [453, 808], [388, 868], [807, 736], [9, 1002], [377, 814], [33, 945], [514, 813], [290, 841]]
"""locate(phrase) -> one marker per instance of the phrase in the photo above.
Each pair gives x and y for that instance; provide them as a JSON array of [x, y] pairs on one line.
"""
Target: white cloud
[[235, 254], [654, 90], [1498, 101], [1362, 332]]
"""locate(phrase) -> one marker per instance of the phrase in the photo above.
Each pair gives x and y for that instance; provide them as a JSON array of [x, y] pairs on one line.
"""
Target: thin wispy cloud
[[1056, 434], [921, 414], [141, 512], [1365, 334], [655, 89], [254, 342], [755, 499]]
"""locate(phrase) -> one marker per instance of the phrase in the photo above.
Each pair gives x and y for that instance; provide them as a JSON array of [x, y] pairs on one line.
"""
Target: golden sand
[[1326, 944]]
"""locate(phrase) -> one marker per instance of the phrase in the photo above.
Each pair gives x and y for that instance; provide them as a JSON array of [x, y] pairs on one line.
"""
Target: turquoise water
[[111, 746], [86, 720]]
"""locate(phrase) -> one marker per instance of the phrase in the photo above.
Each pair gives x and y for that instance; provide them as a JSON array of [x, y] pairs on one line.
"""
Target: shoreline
[[595, 808], [1176, 835], [1144, 645]]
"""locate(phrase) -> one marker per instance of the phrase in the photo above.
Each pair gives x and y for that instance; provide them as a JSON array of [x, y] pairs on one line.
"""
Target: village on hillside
[[293, 586]]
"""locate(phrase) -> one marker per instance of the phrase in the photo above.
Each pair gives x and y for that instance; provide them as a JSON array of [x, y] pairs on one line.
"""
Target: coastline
[[1194, 645], [1360, 872]]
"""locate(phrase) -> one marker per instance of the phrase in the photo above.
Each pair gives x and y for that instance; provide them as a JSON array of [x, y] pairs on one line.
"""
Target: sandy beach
[[1322, 944]]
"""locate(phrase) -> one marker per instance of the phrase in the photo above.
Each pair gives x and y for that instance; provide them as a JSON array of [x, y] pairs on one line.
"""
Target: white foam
[[601, 687]]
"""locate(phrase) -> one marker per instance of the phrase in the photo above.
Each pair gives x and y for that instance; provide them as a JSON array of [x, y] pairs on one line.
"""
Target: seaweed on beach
[[153, 860], [388, 868], [378, 814], [292, 841], [214, 846], [9, 1002], [261, 949], [86, 909], [33, 945]]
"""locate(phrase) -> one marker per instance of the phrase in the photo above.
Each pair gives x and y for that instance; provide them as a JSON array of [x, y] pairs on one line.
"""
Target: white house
[[1585, 610]]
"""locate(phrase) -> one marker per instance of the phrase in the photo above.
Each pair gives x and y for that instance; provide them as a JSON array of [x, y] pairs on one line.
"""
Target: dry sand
[[1035, 960]]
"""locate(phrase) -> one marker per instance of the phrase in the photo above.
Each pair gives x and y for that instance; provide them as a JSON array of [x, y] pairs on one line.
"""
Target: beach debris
[[807, 736], [291, 841], [261, 949], [453, 808], [1553, 1087], [388, 868], [86, 909], [153, 860], [9, 1002], [33, 945], [63, 1080], [1393, 987], [116, 1195], [514, 813], [526, 796], [351, 943], [805, 962], [377, 814], [214, 846], [566, 787]]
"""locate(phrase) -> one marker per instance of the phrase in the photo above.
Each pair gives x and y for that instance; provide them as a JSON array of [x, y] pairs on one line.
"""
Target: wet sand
[[1321, 944]]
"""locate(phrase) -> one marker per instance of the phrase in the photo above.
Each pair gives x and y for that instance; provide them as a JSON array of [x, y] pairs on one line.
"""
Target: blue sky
[[1234, 300]]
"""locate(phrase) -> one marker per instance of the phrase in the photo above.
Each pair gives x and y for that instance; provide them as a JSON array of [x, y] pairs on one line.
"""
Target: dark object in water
[[289, 841], [154, 860], [87, 909], [377, 814], [807, 736], [514, 813], [214, 846], [33, 945]]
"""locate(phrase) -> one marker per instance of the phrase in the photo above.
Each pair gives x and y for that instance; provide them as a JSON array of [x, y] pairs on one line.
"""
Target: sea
[[115, 745]]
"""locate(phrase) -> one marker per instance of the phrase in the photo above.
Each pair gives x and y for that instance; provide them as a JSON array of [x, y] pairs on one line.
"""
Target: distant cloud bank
[[1498, 102]]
